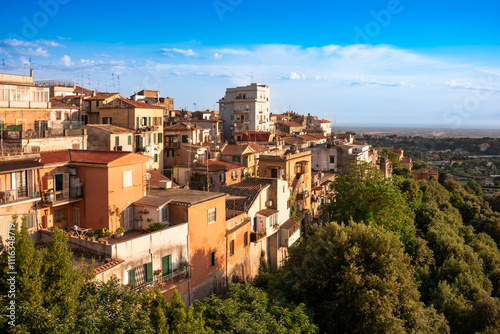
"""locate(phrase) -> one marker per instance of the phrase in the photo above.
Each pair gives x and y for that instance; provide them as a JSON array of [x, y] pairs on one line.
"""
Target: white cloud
[[40, 52], [172, 51], [66, 60], [217, 55], [294, 76], [15, 43]]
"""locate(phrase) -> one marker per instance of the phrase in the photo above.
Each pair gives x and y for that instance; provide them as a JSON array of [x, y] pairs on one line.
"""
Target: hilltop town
[[168, 198]]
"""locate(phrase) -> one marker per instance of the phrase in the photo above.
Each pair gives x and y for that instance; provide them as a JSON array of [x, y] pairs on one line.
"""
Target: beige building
[[147, 122], [245, 108], [109, 137]]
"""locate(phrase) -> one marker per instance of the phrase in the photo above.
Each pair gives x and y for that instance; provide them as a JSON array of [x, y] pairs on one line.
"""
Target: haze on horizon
[[382, 63]]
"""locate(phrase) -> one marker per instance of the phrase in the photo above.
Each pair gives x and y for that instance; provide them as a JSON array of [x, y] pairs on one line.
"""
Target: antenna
[[88, 80], [118, 78], [113, 79], [3, 65], [252, 78]]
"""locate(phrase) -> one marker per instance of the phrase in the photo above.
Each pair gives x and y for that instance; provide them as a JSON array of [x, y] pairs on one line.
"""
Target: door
[[274, 173]]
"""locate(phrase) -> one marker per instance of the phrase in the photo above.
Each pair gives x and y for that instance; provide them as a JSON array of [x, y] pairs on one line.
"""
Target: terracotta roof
[[214, 165], [291, 124], [249, 188], [99, 96], [267, 212], [323, 121], [57, 103], [281, 133], [307, 137], [108, 265], [317, 188], [293, 141], [84, 156], [318, 136], [156, 177], [126, 103], [258, 148], [110, 128], [255, 136], [181, 126], [234, 149]]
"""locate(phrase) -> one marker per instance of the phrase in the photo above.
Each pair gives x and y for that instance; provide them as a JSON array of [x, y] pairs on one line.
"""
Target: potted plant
[[92, 238], [105, 232], [119, 232], [157, 272], [101, 240]]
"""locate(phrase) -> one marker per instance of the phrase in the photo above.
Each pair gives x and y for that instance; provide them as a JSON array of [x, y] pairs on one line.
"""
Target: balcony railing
[[255, 236], [303, 195], [14, 195], [169, 144], [158, 280]]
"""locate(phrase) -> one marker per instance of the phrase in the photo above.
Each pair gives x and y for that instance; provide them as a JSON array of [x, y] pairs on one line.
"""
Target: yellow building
[[296, 170], [147, 122]]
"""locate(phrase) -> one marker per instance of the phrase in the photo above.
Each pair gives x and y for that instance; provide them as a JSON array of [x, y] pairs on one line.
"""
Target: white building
[[245, 109]]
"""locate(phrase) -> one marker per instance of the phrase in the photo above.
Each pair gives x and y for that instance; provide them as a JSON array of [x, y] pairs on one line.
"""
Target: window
[[184, 138], [61, 213], [160, 138], [58, 115], [212, 179], [212, 259], [245, 239], [231, 248], [148, 268], [28, 221], [129, 140], [166, 264], [97, 104], [212, 215], [117, 140], [132, 276], [222, 178], [128, 178], [164, 213], [236, 158], [61, 185], [234, 176], [332, 159], [156, 157], [107, 120]]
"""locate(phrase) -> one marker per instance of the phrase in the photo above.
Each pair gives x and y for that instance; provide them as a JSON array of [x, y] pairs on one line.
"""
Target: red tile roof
[[110, 128], [291, 124], [126, 103], [181, 126], [108, 265], [156, 177], [214, 165], [257, 147], [323, 121], [317, 136], [85, 156], [101, 96]]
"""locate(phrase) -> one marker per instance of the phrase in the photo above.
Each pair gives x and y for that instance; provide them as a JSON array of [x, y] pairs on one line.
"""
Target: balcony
[[255, 236], [59, 198], [172, 144], [246, 111], [162, 281], [17, 195], [150, 128], [303, 195]]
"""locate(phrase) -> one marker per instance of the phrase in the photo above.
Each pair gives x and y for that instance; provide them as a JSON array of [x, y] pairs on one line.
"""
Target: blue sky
[[391, 63]]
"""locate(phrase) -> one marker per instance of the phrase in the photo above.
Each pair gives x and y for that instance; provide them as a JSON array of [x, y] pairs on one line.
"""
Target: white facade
[[245, 108]]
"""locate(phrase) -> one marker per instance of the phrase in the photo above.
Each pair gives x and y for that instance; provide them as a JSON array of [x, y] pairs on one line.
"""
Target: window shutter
[[160, 138], [132, 276], [149, 271], [117, 140], [166, 264], [65, 191], [149, 121], [137, 123]]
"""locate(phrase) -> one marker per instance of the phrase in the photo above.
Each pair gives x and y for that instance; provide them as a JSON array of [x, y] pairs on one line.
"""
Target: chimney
[[31, 73], [94, 93]]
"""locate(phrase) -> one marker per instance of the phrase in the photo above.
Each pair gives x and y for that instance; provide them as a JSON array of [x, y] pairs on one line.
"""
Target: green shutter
[[149, 121], [160, 138], [156, 157], [154, 139], [137, 123], [117, 140], [138, 141], [132, 276], [166, 264], [149, 271], [130, 140]]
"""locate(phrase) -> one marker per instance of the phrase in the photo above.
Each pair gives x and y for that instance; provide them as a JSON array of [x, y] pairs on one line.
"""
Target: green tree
[[363, 195], [358, 280], [247, 309]]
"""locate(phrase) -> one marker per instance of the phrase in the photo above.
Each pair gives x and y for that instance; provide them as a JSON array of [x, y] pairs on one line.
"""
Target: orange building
[[91, 189], [424, 174]]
